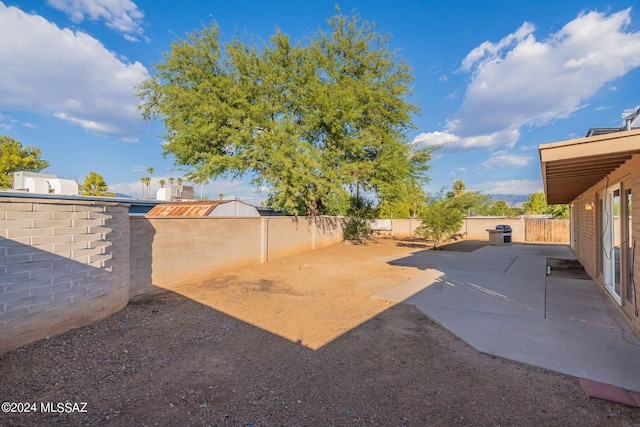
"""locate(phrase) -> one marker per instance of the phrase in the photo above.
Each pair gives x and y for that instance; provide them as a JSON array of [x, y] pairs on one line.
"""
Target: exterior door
[[628, 220], [612, 231]]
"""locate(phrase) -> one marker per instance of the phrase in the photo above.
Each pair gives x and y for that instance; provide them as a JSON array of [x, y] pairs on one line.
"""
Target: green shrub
[[359, 216], [441, 222]]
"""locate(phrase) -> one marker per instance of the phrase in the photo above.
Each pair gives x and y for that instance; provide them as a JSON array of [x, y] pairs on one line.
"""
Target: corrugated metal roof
[[185, 209]]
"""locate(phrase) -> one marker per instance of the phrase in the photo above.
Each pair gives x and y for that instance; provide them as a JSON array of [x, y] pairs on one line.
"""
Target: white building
[[176, 192], [43, 183]]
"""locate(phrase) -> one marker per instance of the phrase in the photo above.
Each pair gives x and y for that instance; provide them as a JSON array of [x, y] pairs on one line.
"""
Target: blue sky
[[494, 79]]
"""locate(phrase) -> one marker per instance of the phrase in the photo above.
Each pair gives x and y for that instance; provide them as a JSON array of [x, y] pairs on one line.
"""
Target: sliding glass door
[[630, 244], [612, 231]]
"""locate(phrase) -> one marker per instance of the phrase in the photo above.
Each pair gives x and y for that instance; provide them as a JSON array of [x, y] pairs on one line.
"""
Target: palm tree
[[458, 187], [161, 182], [180, 187], [147, 181], [150, 172]]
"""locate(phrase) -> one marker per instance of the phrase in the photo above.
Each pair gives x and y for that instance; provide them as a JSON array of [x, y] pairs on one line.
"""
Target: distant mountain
[[513, 200], [123, 196]]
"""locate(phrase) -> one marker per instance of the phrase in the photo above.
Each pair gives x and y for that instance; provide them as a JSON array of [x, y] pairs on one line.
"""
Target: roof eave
[[571, 167]]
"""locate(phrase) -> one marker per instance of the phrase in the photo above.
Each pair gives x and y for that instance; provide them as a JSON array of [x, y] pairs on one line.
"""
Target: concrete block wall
[[328, 231], [404, 227], [141, 257], [291, 235], [473, 228], [177, 251], [62, 265], [476, 228], [65, 264], [169, 252], [287, 236]]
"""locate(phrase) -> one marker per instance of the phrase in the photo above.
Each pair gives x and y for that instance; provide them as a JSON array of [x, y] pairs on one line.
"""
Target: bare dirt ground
[[296, 342]]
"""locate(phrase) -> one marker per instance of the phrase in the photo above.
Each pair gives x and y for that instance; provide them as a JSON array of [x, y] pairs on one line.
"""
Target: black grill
[[506, 232]]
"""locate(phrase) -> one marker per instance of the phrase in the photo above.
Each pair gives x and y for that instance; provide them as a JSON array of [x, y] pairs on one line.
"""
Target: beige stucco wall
[[62, 265], [586, 238]]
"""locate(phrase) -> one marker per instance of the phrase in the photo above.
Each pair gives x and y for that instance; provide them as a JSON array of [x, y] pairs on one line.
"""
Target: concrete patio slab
[[500, 301]]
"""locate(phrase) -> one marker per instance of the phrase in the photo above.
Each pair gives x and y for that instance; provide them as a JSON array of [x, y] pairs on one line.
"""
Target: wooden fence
[[546, 230]]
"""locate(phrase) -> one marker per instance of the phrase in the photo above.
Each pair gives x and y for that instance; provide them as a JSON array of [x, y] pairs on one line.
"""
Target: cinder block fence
[[68, 263], [62, 266], [170, 252]]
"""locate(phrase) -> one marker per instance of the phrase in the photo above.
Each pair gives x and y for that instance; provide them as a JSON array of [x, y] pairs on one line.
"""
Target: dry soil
[[296, 342]]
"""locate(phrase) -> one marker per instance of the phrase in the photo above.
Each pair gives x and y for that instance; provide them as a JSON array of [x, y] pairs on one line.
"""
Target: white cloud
[[488, 51], [514, 186], [71, 75], [448, 139], [119, 15], [520, 81], [504, 159], [435, 138]]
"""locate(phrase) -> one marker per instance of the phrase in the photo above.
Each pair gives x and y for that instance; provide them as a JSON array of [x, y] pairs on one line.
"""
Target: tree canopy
[[476, 203], [469, 202], [537, 204], [312, 121], [14, 158], [94, 185]]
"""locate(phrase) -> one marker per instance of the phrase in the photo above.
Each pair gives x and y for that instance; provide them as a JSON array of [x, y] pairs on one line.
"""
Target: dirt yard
[[296, 342]]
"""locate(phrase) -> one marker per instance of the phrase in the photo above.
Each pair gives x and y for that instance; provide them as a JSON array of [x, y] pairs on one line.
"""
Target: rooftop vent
[[628, 119]]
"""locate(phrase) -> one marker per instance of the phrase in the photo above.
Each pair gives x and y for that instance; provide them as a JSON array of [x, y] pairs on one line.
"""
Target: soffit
[[570, 168]]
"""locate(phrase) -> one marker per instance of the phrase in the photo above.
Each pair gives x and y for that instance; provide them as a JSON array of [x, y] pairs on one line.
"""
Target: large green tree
[[468, 201], [537, 204], [94, 185], [14, 158], [313, 121], [501, 208]]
